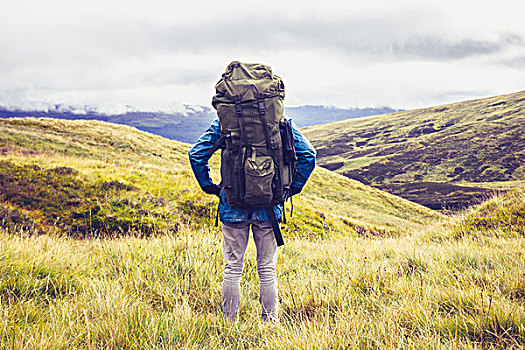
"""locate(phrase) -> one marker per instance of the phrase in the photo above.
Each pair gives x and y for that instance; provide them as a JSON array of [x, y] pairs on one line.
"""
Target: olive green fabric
[[252, 169], [247, 81]]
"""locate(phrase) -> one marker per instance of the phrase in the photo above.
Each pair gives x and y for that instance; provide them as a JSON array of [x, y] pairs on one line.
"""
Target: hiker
[[265, 160]]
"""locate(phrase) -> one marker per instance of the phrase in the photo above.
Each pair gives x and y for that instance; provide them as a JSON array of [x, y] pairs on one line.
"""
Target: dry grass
[[423, 291]]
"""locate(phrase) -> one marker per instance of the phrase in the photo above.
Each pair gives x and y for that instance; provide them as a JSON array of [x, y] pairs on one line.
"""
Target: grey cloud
[[124, 53], [185, 77], [381, 38], [360, 35], [514, 62], [398, 37], [437, 48]]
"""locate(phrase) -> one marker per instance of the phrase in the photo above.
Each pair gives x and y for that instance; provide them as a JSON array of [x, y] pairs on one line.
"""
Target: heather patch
[[60, 198]]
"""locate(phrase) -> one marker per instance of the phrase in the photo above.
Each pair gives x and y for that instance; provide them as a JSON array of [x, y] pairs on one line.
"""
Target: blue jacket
[[199, 164]]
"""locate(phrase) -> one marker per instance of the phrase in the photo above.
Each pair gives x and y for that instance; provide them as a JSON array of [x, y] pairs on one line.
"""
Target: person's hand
[[212, 189]]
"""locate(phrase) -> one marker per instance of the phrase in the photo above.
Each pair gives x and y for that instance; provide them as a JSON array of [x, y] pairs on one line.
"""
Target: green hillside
[[86, 178], [106, 242], [447, 156]]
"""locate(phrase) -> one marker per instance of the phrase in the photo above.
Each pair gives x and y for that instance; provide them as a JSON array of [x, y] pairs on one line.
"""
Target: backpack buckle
[[238, 109], [262, 108]]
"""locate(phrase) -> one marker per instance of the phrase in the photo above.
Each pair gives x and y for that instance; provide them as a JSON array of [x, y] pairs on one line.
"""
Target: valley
[[443, 157]]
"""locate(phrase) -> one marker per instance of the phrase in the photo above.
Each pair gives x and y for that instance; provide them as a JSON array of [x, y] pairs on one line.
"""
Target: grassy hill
[[107, 243], [447, 156], [86, 178]]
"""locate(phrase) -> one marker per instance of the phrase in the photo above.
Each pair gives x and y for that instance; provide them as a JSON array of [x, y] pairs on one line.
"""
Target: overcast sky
[[157, 55]]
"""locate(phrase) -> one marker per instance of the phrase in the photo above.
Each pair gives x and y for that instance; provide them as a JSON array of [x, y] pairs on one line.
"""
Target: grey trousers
[[234, 243]]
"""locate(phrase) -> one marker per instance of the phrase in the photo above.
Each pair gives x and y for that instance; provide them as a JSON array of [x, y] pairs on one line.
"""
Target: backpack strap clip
[[238, 109], [262, 108]]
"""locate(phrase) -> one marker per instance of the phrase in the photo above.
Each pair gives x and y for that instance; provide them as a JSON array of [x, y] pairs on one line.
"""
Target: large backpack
[[258, 154]]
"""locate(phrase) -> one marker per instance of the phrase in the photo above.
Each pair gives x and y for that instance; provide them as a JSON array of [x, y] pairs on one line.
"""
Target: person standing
[[265, 160]]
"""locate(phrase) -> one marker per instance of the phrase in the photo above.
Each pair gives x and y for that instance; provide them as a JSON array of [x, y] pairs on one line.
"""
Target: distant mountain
[[448, 156], [189, 124], [316, 115], [185, 126]]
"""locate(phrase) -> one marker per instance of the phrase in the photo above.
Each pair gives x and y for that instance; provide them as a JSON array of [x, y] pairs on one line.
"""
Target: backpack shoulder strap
[[216, 145]]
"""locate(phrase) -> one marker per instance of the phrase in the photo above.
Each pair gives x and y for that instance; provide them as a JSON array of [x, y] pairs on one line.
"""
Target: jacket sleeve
[[305, 158], [199, 157]]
